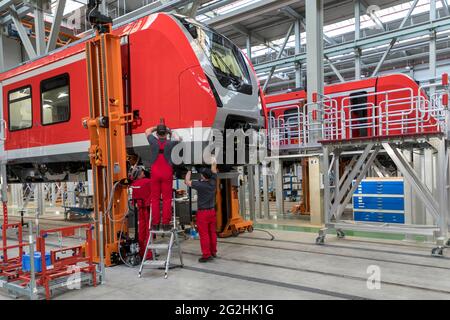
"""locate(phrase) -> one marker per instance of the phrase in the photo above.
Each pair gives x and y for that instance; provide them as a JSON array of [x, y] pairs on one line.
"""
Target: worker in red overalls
[[141, 194], [161, 170]]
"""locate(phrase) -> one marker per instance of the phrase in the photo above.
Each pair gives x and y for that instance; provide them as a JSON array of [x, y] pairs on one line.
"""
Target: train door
[[292, 126], [358, 114]]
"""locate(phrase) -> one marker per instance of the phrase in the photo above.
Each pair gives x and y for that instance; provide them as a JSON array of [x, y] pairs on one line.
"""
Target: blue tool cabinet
[[380, 200]]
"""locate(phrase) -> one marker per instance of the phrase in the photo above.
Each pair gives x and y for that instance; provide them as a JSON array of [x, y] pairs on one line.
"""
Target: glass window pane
[[20, 94], [20, 112], [55, 97]]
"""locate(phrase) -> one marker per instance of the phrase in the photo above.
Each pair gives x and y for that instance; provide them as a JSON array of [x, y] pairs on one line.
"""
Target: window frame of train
[[44, 89], [12, 101]]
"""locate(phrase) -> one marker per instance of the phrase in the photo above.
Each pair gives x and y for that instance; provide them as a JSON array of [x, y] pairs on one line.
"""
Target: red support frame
[[65, 261], [10, 266], [62, 265]]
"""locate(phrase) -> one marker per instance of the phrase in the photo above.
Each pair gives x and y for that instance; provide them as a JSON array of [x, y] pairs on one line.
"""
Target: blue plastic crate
[[380, 203], [26, 266], [380, 187], [379, 217]]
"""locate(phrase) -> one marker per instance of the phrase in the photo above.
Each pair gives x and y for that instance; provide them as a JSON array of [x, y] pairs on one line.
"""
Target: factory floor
[[252, 266]]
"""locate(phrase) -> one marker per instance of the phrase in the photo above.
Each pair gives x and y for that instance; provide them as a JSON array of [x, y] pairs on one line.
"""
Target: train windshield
[[226, 58]]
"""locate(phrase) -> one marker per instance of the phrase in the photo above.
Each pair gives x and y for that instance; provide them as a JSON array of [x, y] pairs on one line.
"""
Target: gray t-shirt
[[154, 149], [206, 191]]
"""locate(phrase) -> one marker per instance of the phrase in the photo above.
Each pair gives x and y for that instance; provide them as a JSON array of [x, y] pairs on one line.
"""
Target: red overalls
[[206, 223], [162, 182], [141, 196]]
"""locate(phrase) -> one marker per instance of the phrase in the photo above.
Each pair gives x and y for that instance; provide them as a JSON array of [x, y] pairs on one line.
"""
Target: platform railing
[[287, 126], [396, 112], [390, 113]]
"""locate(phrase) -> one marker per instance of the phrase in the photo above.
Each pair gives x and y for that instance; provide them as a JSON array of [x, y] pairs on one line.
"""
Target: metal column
[[326, 186], [39, 26], [54, 33], [314, 52], [314, 69], [441, 188], [357, 36], [2, 53], [279, 186], [40, 201], [433, 55], [249, 47], [266, 205], [251, 192], [258, 211], [242, 195], [103, 8], [298, 66]]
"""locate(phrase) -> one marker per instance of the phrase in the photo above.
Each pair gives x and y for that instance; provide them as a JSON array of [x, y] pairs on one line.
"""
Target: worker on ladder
[[206, 213], [141, 187], [161, 140]]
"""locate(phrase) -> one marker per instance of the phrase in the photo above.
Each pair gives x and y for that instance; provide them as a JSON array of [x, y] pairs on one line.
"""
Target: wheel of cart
[[320, 240], [437, 251], [340, 234]]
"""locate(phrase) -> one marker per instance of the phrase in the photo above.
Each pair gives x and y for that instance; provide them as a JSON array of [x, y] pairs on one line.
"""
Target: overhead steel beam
[[190, 10], [194, 8], [54, 33], [255, 9], [244, 31], [394, 40], [22, 33], [153, 7], [416, 30], [335, 70], [391, 61], [4, 5], [446, 7], [39, 28], [214, 6], [410, 175], [297, 16], [286, 39], [22, 11]]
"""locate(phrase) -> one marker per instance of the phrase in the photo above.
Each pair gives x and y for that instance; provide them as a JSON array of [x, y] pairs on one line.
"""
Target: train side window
[[19, 109], [55, 100]]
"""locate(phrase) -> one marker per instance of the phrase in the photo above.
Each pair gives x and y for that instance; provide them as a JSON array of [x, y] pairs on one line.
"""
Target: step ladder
[[173, 243]]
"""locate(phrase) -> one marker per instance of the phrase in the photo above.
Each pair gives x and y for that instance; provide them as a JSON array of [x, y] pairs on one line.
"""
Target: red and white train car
[[173, 68], [386, 106]]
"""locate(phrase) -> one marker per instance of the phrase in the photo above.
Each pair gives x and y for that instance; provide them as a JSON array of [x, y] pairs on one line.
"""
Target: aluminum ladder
[[173, 243]]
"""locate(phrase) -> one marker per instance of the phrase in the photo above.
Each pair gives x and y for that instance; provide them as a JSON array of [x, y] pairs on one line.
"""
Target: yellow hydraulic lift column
[[106, 125], [229, 219]]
